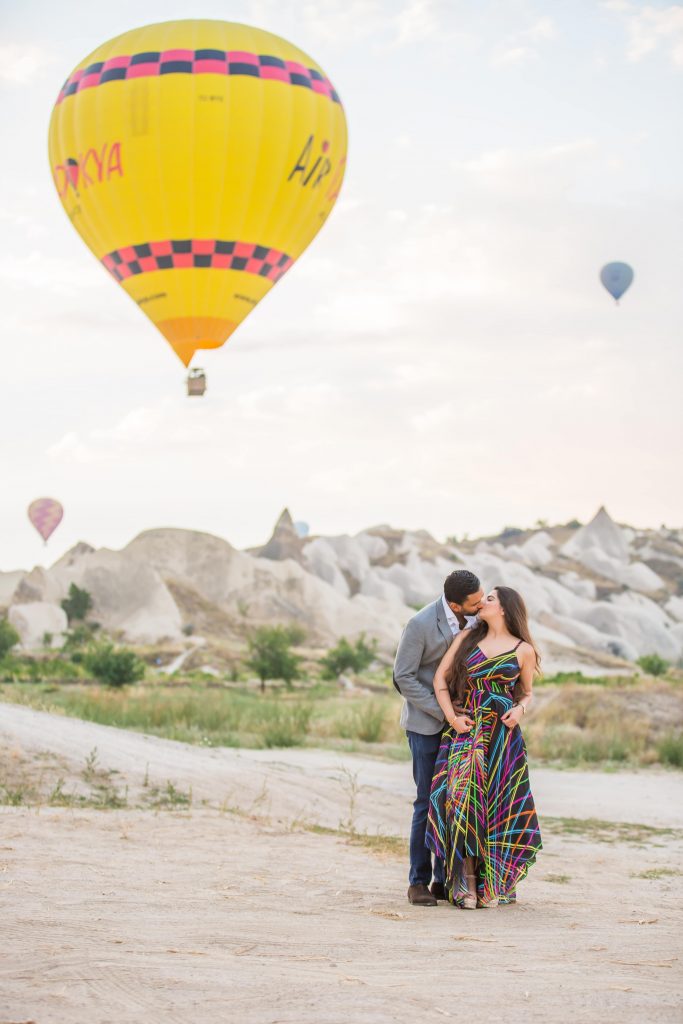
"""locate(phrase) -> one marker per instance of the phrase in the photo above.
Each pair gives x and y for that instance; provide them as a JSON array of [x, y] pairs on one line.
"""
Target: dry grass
[[45, 780], [656, 874], [586, 724], [231, 717], [609, 831], [570, 724]]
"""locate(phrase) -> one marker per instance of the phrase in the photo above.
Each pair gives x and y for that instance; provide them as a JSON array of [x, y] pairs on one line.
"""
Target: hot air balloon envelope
[[302, 528], [46, 514], [197, 160], [617, 278]]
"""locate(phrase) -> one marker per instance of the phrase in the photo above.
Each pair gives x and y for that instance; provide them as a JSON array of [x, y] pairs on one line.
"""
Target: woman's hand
[[512, 717], [461, 723]]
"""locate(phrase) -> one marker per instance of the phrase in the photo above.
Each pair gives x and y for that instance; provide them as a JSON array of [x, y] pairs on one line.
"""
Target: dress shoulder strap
[[517, 645]]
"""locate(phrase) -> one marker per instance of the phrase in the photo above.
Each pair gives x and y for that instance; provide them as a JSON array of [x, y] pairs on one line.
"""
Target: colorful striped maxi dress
[[481, 804]]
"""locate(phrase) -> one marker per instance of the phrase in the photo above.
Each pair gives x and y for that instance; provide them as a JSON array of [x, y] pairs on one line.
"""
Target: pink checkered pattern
[[198, 62], [197, 253]]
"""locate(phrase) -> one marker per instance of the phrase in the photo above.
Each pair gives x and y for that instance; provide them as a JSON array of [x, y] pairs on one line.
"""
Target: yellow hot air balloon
[[197, 160]]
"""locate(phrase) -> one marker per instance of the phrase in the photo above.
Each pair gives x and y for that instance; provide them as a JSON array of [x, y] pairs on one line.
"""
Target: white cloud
[[417, 21], [19, 214], [513, 55], [341, 22], [62, 276], [71, 448], [544, 28], [648, 28], [533, 172], [523, 46], [142, 431], [20, 64], [326, 21]]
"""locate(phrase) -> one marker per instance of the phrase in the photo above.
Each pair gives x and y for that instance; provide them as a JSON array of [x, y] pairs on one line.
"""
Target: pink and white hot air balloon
[[46, 514]]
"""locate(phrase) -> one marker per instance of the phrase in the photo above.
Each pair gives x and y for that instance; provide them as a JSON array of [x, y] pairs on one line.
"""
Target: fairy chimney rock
[[284, 542], [601, 533]]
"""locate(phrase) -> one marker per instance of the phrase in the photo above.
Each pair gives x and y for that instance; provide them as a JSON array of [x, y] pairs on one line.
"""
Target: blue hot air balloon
[[617, 278]]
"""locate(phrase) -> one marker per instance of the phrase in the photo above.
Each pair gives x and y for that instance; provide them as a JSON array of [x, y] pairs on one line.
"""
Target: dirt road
[[246, 915], [316, 786]]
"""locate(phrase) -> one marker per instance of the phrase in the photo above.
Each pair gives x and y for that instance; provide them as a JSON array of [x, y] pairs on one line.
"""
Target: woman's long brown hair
[[517, 623]]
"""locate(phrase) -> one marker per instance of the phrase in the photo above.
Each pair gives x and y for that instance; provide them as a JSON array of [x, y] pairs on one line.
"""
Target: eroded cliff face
[[598, 595]]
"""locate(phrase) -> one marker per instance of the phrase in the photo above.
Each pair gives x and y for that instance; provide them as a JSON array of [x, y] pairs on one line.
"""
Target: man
[[425, 640]]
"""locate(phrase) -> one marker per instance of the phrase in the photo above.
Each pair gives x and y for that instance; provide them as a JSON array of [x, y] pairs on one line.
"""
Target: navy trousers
[[424, 750]]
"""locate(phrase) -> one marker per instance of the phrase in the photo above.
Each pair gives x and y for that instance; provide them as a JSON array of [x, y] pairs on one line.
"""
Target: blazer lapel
[[442, 623]]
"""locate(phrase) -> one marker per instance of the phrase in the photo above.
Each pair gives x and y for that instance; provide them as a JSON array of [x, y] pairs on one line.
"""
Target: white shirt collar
[[453, 619]]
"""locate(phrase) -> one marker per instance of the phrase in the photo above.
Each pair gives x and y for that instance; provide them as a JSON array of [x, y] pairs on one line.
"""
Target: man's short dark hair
[[459, 585]]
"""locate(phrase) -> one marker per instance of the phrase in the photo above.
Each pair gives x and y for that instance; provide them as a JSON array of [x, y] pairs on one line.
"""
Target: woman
[[482, 820]]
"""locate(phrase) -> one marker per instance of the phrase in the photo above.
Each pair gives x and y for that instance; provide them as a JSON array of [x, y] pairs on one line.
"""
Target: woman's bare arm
[[523, 690], [525, 684], [441, 687]]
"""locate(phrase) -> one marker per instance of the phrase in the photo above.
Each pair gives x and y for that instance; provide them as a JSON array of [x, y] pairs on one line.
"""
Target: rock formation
[[39, 622], [597, 595]]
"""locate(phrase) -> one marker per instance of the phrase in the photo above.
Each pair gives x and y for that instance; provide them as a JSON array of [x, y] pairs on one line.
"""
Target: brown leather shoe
[[420, 896], [438, 891]]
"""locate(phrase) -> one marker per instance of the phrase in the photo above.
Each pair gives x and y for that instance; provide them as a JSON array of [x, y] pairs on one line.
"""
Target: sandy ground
[[315, 786], [244, 914]]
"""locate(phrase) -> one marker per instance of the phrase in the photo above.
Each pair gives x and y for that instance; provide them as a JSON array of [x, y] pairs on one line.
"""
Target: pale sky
[[443, 355]]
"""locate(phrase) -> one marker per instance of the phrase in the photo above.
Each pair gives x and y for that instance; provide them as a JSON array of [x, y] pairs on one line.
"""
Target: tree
[[79, 636], [653, 664], [114, 666], [510, 531], [8, 637], [270, 654], [348, 656], [77, 604]]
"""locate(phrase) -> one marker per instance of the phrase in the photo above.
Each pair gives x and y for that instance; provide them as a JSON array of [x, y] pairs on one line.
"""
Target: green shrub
[[347, 656], [287, 726], [653, 664], [114, 666], [77, 603], [670, 749], [578, 677], [364, 723], [8, 637], [586, 742], [79, 636], [270, 655]]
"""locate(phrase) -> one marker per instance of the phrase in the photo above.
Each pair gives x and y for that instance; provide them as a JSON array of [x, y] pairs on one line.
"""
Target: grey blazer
[[423, 644]]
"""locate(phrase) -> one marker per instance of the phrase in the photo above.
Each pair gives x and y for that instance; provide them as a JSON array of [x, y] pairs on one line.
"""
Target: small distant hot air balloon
[[302, 529], [197, 160], [46, 514], [617, 278]]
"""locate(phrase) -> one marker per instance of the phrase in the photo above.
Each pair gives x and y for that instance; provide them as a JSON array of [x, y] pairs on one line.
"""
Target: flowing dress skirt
[[481, 804]]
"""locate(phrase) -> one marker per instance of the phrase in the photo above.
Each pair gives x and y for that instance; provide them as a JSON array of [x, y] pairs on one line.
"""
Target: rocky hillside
[[599, 595]]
